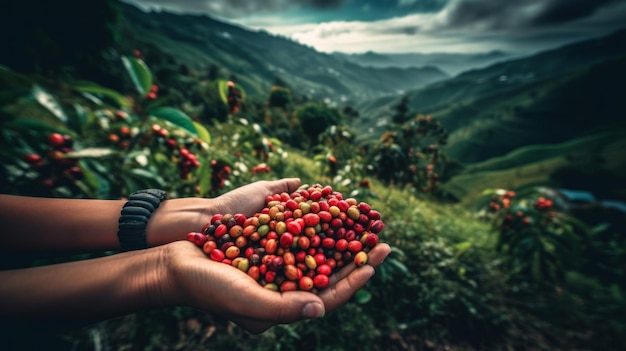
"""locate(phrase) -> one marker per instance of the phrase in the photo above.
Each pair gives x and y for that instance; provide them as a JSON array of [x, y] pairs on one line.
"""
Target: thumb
[[287, 185], [280, 308], [285, 307]]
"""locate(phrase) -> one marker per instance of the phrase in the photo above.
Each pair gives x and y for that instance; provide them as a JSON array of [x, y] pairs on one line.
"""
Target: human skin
[[172, 272]]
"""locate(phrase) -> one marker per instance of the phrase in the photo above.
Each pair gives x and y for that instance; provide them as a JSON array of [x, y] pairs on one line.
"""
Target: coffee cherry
[[56, 140], [209, 246], [32, 159], [360, 258], [371, 240], [377, 226], [217, 255], [305, 283], [321, 281], [197, 238]]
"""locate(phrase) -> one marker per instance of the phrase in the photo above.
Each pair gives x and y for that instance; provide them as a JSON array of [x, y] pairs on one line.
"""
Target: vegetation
[[509, 267]]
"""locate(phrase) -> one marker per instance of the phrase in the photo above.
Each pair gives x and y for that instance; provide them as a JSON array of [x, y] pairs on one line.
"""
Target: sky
[[426, 26]]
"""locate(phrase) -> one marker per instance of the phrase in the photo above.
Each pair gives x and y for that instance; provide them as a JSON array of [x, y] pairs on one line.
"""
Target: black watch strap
[[135, 215]]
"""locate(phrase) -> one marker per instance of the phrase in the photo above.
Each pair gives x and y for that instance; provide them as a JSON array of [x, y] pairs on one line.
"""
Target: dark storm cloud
[[498, 14], [558, 11], [234, 8]]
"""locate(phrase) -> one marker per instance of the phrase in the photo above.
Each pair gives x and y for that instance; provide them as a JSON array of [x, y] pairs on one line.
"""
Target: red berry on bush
[[76, 173], [32, 159], [56, 140]]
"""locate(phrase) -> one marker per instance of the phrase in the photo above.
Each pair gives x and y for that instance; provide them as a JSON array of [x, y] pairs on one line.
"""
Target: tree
[[402, 111], [280, 97], [315, 118]]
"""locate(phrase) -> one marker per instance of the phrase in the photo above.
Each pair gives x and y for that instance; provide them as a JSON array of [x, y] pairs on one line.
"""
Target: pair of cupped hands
[[197, 281]]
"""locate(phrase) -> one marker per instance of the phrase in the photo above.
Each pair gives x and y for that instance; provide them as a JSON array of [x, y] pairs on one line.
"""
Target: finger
[[268, 306], [376, 256], [285, 185], [338, 294]]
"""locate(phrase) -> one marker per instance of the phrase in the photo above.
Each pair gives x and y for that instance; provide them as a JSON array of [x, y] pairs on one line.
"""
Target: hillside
[[503, 103], [520, 110], [257, 58], [451, 63]]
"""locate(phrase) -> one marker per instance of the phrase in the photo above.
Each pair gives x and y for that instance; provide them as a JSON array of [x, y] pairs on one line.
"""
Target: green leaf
[[94, 152], [204, 177], [222, 89], [362, 296], [12, 80], [95, 180], [49, 102], [33, 125], [92, 88], [203, 133], [397, 265], [139, 73], [276, 142], [148, 176], [462, 247], [82, 116], [176, 117], [601, 227]]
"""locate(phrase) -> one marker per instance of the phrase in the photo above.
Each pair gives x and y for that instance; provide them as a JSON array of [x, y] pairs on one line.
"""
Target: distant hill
[[451, 63], [257, 58], [564, 86], [559, 97]]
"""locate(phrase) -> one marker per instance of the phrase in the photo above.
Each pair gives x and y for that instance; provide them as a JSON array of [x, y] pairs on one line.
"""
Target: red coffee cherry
[[56, 140]]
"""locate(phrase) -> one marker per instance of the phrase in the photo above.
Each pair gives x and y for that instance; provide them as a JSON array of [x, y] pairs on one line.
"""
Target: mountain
[[451, 63], [554, 99], [257, 58], [567, 84]]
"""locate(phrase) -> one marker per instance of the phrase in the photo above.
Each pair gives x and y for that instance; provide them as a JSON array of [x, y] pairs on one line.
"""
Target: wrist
[[177, 217], [158, 289]]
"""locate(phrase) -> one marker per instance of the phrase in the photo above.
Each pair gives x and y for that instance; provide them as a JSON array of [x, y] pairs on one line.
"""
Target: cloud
[[233, 8], [417, 25], [470, 25], [496, 14]]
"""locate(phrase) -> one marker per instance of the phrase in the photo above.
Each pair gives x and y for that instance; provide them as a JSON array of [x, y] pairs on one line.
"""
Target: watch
[[135, 215]]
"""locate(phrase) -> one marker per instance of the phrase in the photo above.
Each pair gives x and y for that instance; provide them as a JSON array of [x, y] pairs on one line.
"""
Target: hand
[[250, 198], [177, 217], [195, 280]]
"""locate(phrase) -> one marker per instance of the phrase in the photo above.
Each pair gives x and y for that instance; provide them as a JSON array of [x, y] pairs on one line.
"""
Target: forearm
[[80, 225], [84, 290], [47, 224]]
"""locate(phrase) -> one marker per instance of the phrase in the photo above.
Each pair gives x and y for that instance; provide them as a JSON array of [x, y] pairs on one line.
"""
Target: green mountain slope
[[544, 119], [451, 63], [546, 98], [257, 58], [595, 162]]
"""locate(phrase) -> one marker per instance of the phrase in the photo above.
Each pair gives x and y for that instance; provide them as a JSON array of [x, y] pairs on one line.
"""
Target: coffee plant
[[541, 242], [410, 154], [80, 139]]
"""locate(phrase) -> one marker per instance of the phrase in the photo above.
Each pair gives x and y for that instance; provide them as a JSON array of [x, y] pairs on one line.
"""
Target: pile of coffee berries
[[297, 241]]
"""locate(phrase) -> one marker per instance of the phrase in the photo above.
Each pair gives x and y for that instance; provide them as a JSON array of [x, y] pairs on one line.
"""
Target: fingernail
[[313, 310]]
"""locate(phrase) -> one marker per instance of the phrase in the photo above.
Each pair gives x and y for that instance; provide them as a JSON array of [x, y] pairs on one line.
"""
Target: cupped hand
[[177, 217], [250, 198], [195, 280]]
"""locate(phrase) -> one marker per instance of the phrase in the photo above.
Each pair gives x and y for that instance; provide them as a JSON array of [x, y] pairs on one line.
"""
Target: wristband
[[135, 215]]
